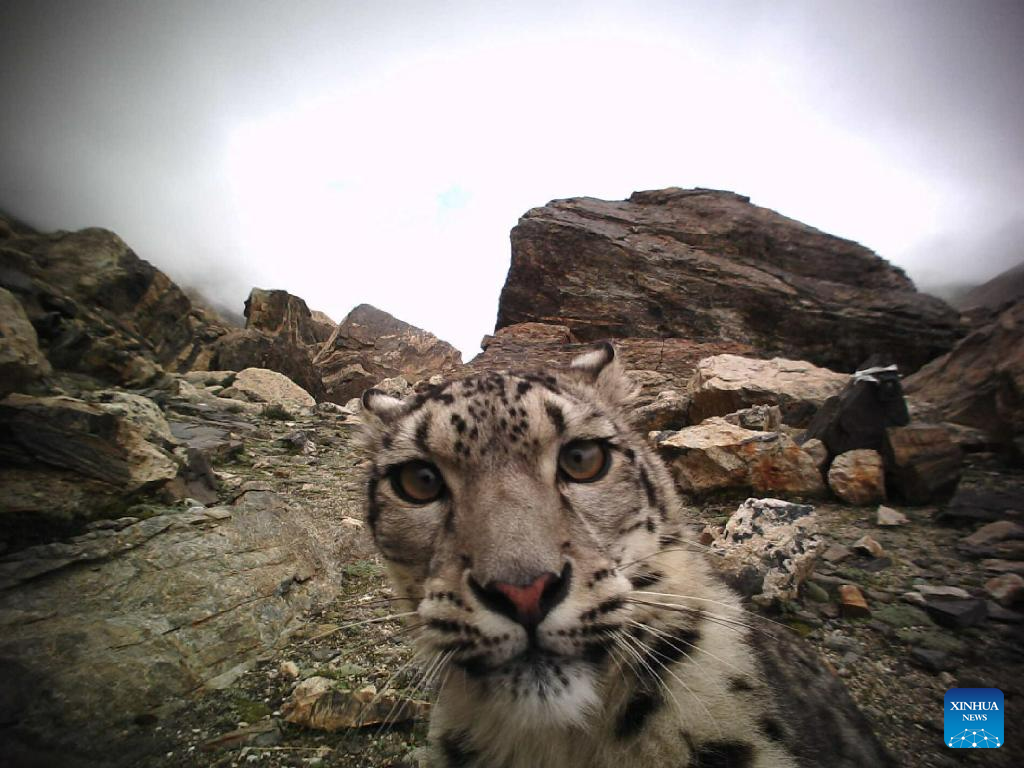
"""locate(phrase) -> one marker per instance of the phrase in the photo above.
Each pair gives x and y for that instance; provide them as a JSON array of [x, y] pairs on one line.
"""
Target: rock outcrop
[[280, 334], [727, 383], [710, 266], [370, 345], [657, 365], [980, 383], [21, 360], [99, 309]]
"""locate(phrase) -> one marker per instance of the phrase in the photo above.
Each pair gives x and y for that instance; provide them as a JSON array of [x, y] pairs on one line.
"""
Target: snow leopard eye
[[418, 482], [584, 461]]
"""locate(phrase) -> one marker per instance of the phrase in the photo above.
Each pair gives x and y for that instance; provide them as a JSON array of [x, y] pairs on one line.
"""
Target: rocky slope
[[183, 566], [100, 310], [370, 345], [980, 383], [1003, 289], [709, 266]]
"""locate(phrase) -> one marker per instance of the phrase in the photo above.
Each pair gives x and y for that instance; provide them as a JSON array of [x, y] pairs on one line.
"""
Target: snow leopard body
[[573, 623]]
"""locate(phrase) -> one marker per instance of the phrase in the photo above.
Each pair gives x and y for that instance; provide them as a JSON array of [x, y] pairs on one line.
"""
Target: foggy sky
[[380, 152]]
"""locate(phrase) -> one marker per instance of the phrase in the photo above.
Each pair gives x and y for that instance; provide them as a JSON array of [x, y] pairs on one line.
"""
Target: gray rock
[[957, 614], [168, 604], [21, 360], [774, 539]]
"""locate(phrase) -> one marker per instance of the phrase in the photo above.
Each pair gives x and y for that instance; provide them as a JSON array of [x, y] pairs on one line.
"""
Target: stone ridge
[[370, 345], [710, 266]]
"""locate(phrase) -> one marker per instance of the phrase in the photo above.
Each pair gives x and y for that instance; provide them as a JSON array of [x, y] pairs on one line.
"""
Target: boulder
[[668, 411], [281, 314], [768, 548], [260, 385], [370, 345], [980, 383], [922, 463], [21, 360], [134, 620], [716, 457], [281, 334], [727, 383], [86, 439], [709, 266], [858, 477], [858, 416], [99, 309]]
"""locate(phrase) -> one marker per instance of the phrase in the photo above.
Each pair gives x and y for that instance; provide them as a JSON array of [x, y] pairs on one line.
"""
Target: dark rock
[[957, 614], [975, 505], [21, 360], [216, 444], [858, 417], [709, 266], [933, 661], [980, 382], [99, 309], [281, 314], [370, 345], [922, 463]]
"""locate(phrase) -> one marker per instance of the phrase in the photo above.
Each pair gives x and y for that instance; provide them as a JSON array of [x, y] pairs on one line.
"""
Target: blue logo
[[974, 718]]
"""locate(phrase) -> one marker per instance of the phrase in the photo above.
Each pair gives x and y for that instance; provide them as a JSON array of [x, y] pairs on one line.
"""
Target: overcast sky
[[380, 152]]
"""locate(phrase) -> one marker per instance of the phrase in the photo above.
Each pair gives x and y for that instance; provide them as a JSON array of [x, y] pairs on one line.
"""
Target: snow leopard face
[[516, 512]]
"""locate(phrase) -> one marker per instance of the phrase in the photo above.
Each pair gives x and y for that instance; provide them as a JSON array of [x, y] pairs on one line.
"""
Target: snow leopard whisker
[[729, 606], [738, 621], [639, 650], [699, 547], [416, 656], [653, 653], [671, 640], [728, 622]]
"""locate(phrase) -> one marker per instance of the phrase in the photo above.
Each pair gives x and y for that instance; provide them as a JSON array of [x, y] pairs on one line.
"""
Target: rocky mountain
[[994, 294], [980, 383], [183, 563], [370, 345], [711, 267], [100, 310]]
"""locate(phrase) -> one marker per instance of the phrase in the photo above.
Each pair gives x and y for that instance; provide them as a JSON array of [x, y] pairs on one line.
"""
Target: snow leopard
[[569, 616]]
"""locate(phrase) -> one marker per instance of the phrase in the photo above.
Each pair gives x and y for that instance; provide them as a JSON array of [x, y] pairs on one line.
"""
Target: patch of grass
[[277, 412], [363, 569], [249, 710]]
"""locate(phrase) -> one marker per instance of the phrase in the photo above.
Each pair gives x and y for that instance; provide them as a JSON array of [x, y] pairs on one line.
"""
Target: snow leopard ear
[[381, 407], [601, 368]]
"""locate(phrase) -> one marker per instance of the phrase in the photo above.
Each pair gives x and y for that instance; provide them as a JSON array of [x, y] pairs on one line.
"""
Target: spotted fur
[[646, 659]]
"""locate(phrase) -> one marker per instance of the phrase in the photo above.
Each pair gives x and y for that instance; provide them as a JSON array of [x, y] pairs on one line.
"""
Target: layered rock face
[[980, 383], [99, 309], [370, 345], [656, 365], [710, 266], [280, 334]]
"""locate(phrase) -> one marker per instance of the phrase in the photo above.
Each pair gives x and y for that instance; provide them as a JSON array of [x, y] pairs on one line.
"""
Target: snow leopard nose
[[528, 603]]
